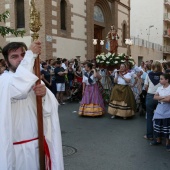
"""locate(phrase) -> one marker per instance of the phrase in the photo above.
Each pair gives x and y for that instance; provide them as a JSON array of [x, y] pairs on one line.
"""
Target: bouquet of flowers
[[110, 59]]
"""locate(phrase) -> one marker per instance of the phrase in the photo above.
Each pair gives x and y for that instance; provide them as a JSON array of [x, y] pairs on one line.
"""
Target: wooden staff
[[35, 25]]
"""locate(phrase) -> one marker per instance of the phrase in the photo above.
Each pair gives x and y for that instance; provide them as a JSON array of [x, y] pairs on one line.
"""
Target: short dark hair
[[58, 62], [43, 64], [64, 60], [13, 46], [166, 76], [90, 65]]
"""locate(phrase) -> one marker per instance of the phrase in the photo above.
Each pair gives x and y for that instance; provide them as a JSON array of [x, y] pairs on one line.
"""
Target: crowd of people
[[145, 87], [131, 89], [63, 78]]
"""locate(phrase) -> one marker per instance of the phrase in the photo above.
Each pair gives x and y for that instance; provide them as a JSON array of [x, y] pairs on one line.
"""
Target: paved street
[[108, 144]]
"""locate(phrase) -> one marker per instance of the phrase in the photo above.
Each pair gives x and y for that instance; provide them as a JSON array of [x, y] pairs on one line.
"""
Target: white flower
[[116, 62], [116, 57], [110, 58], [109, 53], [101, 61], [107, 62], [97, 60], [107, 56], [103, 57], [113, 54], [97, 56], [122, 61]]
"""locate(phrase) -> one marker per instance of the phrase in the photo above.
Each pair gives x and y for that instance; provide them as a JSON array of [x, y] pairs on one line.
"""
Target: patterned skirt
[[92, 103], [122, 101], [162, 128]]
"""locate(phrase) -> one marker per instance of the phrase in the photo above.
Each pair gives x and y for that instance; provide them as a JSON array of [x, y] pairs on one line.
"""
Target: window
[[20, 14], [63, 10], [124, 32], [98, 14]]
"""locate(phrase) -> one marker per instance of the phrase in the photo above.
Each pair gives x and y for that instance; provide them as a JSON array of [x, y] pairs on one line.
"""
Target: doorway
[[140, 59], [98, 34]]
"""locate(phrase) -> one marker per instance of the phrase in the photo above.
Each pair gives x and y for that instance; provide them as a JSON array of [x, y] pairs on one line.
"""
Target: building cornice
[[120, 3]]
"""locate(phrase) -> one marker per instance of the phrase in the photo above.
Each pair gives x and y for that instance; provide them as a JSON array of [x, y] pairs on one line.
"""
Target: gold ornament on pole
[[35, 22], [35, 25]]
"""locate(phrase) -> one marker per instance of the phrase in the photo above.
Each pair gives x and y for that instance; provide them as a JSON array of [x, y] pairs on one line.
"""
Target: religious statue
[[112, 40]]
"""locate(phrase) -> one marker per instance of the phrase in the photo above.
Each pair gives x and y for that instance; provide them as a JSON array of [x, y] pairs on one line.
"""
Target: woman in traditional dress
[[122, 101], [92, 103]]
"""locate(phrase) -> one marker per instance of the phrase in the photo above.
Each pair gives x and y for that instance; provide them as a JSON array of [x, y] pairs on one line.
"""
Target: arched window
[[124, 36], [63, 6], [20, 14], [98, 14]]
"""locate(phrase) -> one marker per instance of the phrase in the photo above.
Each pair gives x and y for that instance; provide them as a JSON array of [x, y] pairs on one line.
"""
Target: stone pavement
[[108, 144]]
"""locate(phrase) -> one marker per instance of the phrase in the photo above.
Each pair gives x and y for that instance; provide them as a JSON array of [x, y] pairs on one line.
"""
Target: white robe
[[18, 120]]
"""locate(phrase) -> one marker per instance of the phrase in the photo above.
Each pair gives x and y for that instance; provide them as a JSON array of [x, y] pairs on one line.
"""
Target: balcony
[[167, 3], [166, 49], [166, 17], [166, 33]]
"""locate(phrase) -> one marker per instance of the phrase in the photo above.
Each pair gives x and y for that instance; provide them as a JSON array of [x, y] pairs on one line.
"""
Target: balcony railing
[[167, 49], [144, 43], [167, 17], [167, 2], [167, 33]]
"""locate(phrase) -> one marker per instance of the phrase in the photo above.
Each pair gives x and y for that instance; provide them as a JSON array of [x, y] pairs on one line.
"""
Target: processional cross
[[35, 25]]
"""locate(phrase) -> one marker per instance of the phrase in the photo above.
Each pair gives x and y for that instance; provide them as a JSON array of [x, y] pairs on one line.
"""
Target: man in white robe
[[18, 113]]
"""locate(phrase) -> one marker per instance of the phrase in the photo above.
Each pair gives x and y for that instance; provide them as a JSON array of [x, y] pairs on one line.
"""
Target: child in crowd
[[162, 113]]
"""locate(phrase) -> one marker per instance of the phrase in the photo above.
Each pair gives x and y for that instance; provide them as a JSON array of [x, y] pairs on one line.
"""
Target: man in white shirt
[[64, 64], [18, 123]]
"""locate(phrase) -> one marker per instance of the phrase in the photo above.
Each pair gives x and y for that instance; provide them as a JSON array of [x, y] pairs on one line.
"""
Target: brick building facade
[[72, 36]]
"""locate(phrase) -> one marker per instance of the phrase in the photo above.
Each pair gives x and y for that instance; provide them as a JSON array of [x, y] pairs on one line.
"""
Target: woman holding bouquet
[[92, 103], [122, 102]]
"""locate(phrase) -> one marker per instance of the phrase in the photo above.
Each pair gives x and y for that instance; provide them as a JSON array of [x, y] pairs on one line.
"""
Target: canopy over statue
[[112, 40]]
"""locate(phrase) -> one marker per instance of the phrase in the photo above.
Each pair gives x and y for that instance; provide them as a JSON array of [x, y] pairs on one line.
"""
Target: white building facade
[[147, 29], [69, 26]]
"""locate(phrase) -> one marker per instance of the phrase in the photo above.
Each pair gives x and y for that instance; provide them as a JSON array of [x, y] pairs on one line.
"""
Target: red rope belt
[[46, 150]]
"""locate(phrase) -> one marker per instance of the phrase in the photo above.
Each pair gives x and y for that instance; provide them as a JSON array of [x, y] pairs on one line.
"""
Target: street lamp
[[102, 42], [129, 42], [151, 26], [95, 41]]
